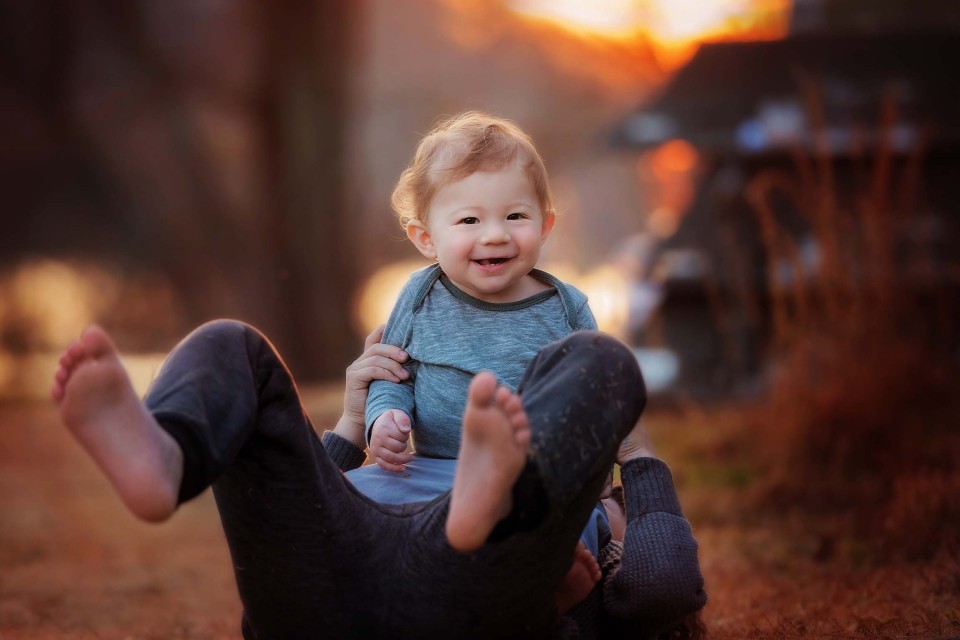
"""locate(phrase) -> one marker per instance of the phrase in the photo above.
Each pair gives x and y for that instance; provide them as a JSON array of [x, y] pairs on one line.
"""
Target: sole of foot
[[99, 406], [493, 451]]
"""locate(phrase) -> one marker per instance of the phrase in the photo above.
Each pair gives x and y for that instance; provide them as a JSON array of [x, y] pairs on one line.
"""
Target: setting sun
[[675, 27]]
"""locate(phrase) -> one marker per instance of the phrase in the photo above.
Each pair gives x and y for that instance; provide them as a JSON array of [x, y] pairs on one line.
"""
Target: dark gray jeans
[[314, 558]]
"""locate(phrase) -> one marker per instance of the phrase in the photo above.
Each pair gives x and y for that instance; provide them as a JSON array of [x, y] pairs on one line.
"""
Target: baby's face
[[486, 231]]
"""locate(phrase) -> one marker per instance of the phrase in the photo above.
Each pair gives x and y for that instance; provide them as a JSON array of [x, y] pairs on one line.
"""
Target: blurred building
[[849, 125]]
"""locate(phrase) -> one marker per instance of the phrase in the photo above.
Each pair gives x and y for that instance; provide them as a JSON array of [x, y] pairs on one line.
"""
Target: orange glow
[[670, 170], [676, 156], [46, 303], [609, 60], [51, 301], [609, 294], [615, 19], [675, 28], [605, 286], [379, 293]]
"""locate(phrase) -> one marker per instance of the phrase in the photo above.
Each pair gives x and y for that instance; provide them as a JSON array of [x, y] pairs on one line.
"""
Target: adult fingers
[[388, 350], [374, 337], [383, 362], [360, 379], [358, 368]]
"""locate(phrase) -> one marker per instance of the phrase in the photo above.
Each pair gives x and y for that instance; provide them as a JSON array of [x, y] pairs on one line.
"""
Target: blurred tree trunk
[[203, 140], [308, 44]]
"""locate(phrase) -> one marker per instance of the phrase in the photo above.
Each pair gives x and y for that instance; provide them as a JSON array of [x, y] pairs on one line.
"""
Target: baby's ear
[[420, 237], [549, 219]]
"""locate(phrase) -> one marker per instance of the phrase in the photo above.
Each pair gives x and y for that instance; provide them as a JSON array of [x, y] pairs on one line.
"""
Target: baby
[[476, 200]]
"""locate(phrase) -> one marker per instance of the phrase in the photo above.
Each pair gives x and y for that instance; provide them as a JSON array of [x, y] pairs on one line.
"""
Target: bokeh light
[[606, 287]]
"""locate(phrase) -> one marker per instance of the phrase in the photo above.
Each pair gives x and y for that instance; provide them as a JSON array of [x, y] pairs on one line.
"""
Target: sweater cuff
[[344, 453], [648, 488]]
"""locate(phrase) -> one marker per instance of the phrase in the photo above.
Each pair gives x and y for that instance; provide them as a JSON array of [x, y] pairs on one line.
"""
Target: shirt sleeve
[[585, 319], [582, 317], [383, 394], [344, 453], [658, 581]]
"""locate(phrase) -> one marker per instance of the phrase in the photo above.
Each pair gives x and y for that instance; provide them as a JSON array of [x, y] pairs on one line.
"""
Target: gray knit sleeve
[[658, 581], [344, 453]]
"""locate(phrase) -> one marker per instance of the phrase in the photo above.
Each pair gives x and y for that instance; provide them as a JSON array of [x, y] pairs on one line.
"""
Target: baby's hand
[[388, 440]]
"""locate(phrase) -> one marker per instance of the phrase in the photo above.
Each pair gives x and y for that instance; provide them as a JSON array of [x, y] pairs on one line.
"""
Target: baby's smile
[[486, 262]]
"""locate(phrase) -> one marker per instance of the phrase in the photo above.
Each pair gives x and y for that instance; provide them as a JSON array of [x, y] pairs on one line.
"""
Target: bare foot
[[98, 404], [583, 576], [493, 450]]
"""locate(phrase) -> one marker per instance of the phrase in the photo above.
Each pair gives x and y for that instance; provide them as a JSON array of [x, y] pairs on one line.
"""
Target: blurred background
[[171, 162], [759, 196], [166, 163]]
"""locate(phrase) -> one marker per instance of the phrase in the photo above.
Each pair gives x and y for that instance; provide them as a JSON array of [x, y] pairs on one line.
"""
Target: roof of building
[[756, 97]]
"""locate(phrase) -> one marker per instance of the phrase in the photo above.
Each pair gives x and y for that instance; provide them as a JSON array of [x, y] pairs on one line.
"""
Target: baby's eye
[[469, 220], [516, 215]]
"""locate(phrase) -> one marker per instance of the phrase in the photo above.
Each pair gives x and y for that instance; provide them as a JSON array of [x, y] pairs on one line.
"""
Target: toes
[[76, 351], [502, 398], [71, 355], [522, 438], [515, 408], [482, 388], [96, 342]]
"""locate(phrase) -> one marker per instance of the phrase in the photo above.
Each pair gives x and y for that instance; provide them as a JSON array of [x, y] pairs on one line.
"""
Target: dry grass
[[773, 573], [862, 404], [74, 564]]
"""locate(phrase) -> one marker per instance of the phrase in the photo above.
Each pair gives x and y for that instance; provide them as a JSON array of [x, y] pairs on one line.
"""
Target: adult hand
[[388, 440], [635, 445], [377, 362]]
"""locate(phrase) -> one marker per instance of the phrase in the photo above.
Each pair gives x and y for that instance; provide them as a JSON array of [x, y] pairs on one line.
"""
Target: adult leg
[[581, 396], [300, 537]]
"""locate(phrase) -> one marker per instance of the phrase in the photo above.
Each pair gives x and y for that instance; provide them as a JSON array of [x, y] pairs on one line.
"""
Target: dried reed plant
[[863, 403]]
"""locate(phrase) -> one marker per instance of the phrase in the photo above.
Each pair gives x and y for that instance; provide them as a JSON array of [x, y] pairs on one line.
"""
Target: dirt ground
[[74, 564]]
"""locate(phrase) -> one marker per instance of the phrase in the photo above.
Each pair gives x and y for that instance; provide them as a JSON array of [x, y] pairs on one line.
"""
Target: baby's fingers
[[397, 445], [393, 461]]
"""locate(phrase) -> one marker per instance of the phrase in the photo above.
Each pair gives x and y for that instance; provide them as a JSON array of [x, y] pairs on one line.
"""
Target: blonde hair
[[458, 147]]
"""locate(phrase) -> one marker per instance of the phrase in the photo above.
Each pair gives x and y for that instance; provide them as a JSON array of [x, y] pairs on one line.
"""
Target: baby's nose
[[494, 233]]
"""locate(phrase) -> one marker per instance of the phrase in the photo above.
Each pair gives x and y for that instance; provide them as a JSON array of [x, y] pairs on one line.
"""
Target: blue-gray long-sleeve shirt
[[451, 336]]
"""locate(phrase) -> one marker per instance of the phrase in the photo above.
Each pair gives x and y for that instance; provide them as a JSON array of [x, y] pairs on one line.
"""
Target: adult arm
[[658, 581], [378, 361]]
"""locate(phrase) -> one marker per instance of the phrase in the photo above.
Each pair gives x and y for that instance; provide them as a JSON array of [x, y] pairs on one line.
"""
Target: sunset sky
[[674, 27]]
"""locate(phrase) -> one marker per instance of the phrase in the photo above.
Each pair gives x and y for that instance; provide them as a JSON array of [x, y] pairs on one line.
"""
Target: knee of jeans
[[226, 329], [608, 353]]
